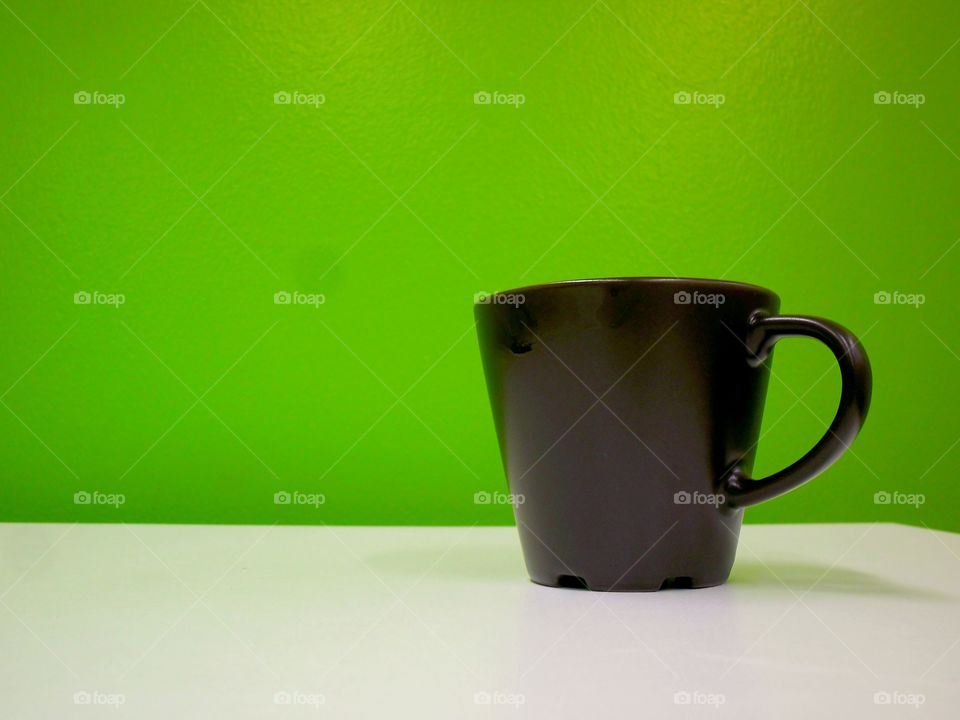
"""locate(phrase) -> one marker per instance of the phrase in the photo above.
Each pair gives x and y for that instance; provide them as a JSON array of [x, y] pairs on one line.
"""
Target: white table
[[257, 622]]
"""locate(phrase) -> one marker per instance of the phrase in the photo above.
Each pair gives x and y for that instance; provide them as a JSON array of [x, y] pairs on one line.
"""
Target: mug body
[[619, 406]]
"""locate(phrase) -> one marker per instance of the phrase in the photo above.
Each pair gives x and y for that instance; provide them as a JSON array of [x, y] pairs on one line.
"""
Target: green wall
[[396, 199]]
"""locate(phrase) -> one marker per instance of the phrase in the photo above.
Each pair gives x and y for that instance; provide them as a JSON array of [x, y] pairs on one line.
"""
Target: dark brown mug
[[628, 413]]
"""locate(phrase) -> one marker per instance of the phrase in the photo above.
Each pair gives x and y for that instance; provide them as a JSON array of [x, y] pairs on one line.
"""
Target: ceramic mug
[[628, 414]]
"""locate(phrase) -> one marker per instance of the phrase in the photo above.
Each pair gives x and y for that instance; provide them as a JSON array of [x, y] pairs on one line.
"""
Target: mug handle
[[738, 488]]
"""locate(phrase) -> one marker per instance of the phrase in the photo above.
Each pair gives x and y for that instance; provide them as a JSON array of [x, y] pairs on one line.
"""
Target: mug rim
[[729, 284]]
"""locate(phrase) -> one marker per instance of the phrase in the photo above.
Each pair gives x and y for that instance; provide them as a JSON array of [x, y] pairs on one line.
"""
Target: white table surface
[[175, 621]]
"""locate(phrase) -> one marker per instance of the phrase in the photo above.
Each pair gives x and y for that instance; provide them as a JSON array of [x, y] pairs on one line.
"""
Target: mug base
[[573, 582]]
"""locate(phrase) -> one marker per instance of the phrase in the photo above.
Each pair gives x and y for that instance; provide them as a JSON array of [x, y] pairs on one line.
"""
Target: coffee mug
[[628, 414]]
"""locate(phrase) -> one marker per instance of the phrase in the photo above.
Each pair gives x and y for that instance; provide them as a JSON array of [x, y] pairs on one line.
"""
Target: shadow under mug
[[628, 414]]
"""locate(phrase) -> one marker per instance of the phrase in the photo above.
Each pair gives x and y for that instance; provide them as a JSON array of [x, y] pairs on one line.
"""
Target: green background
[[399, 198]]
